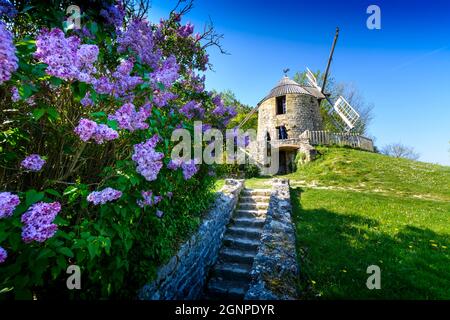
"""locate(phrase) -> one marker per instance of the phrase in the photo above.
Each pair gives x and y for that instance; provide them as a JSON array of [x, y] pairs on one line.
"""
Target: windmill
[[348, 115]]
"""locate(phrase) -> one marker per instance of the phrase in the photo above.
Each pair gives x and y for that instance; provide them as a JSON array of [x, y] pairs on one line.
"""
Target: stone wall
[[275, 269], [184, 276]]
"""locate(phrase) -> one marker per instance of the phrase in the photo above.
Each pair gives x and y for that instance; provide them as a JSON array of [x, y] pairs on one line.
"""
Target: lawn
[[353, 209]]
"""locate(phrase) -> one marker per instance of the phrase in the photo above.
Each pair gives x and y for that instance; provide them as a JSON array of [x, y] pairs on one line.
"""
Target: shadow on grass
[[335, 249]]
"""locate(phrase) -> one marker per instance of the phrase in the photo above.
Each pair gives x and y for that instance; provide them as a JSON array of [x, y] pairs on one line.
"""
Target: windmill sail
[[311, 78], [346, 112]]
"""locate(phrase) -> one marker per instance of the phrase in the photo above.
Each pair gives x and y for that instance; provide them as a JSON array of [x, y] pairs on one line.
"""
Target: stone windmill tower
[[283, 115]]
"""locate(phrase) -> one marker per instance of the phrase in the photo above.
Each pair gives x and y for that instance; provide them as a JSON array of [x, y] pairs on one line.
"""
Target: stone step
[[248, 222], [247, 232], [253, 206], [237, 255], [232, 271], [252, 199], [251, 214], [256, 192], [240, 242], [221, 289]]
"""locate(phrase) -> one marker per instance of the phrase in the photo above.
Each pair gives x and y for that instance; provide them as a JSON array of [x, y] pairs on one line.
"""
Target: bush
[[100, 112]]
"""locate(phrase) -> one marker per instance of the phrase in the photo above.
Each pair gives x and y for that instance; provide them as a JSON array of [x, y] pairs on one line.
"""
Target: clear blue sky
[[403, 69]]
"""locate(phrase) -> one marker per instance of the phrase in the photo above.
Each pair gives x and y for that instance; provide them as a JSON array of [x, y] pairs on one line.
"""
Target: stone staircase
[[230, 276]]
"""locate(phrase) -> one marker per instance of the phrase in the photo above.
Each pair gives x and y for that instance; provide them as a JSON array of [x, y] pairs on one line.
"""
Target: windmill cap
[[289, 86]]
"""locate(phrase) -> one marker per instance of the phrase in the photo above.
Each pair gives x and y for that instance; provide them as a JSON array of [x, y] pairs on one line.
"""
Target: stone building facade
[[283, 115]]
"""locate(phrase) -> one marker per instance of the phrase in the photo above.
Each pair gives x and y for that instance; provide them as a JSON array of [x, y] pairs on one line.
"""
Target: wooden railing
[[343, 139]]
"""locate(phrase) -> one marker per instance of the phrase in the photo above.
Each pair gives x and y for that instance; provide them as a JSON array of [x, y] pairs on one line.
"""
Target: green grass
[[348, 168], [362, 209]]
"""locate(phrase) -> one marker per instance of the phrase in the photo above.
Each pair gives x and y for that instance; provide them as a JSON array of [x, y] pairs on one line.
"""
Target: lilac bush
[[128, 118], [88, 129], [8, 203]]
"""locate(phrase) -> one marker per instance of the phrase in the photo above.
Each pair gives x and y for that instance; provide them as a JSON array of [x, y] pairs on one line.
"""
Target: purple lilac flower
[[161, 99], [88, 129], [104, 133], [7, 9], [30, 101], [106, 195], [8, 203], [148, 161], [191, 109], [128, 118], [8, 56], [3, 255], [87, 101], [174, 164], [15, 94], [167, 72], [169, 195], [148, 199], [38, 221], [121, 81], [65, 57], [159, 213], [186, 31], [33, 162], [189, 169], [139, 38], [114, 15]]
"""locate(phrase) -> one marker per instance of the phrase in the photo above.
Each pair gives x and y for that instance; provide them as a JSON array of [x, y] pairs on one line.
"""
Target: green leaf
[[52, 113], [38, 113], [32, 196], [45, 253], [53, 192], [66, 251], [112, 124]]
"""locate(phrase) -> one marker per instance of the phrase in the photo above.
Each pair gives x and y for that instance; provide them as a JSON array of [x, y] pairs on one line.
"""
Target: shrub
[[96, 108]]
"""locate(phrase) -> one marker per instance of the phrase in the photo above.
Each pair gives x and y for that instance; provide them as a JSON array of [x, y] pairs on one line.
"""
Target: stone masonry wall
[[184, 276], [275, 269]]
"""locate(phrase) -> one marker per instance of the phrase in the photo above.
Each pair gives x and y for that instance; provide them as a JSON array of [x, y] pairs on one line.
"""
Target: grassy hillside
[[353, 209]]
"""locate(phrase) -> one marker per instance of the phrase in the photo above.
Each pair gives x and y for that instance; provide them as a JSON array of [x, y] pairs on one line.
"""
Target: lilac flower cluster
[[138, 37], [88, 129], [159, 213], [189, 167], [147, 159], [121, 83], [87, 101], [220, 110], [7, 9], [161, 99], [114, 15], [128, 118], [8, 56], [148, 199], [106, 195], [167, 72], [65, 57], [186, 31], [8, 203], [192, 109], [38, 221], [15, 94], [3, 255], [33, 162]]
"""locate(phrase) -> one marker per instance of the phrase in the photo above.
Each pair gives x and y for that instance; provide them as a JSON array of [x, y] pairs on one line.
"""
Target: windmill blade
[[346, 112], [312, 81]]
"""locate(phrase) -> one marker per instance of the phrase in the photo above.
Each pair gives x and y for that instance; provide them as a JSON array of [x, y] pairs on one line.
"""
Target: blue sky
[[403, 69]]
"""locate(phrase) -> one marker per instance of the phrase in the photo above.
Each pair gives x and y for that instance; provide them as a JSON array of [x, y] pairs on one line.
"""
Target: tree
[[398, 150], [351, 94]]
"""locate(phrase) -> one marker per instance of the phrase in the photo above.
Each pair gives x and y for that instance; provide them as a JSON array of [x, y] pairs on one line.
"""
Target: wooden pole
[[329, 60]]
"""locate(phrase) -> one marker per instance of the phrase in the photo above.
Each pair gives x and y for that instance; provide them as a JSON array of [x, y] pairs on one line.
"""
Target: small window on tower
[[281, 105]]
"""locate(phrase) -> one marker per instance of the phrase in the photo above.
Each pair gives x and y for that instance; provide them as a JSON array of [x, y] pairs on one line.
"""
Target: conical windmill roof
[[289, 86]]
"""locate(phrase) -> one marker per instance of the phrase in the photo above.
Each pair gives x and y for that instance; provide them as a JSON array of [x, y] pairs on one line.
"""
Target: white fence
[[343, 139]]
